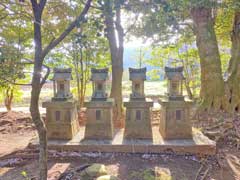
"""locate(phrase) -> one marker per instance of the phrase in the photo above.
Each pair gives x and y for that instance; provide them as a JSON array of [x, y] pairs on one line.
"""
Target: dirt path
[[22, 109], [16, 130], [12, 142]]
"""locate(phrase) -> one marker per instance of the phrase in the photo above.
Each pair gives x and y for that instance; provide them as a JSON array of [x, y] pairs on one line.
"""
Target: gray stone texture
[[138, 120], [99, 123], [61, 119], [99, 77], [138, 114], [175, 120]]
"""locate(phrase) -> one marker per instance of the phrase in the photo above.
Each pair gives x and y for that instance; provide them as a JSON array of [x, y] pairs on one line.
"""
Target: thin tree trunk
[[189, 91], [212, 92], [36, 88], [187, 80], [76, 69], [38, 81], [8, 99], [81, 79], [86, 75], [232, 83]]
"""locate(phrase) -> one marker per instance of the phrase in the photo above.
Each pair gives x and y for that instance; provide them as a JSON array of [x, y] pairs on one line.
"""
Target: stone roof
[[62, 74], [174, 73], [99, 74], [137, 74]]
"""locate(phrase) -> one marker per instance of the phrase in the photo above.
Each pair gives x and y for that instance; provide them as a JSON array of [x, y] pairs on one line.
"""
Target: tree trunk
[[36, 89], [187, 80], [81, 79], [38, 81], [8, 99], [86, 74], [232, 83], [212, 92], [188, 89], [76, 69], [115, 31], [40, 125]]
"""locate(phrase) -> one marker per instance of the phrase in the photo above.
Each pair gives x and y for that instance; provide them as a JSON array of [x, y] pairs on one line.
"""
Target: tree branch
[[13, 83], [95, 7], [34, 3], [46, 75], [29, 61], [56, 41], [132, 25], [42, 4]]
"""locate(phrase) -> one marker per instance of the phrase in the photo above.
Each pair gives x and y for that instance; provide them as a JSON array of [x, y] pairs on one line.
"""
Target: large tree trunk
[[233, 82], [115, 31], [212, 92]]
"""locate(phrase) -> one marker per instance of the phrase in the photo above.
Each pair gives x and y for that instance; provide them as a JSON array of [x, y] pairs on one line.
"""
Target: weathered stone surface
[[138, 115], [99, 77], [199, 144], [137, 76], [172, 126], [61, 84], [61, 119], [175, 120], [175, 82], [138, 120], [107, 177], [93, 171], [99, 123]]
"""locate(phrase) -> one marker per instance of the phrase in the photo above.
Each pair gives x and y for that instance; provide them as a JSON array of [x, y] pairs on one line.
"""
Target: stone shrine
[[138, 115], [62, 115], [99, 123], [175, 120]]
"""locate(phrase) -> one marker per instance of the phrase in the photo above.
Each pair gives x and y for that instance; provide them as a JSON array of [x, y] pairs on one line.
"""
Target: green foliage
[[182, 53], [88, 90], [154, 74], [25, 175], [11, 72], [18, 93], [11, 68], [149, 174]]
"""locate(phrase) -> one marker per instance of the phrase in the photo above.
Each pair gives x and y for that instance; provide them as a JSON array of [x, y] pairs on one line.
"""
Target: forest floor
[[17, 160]]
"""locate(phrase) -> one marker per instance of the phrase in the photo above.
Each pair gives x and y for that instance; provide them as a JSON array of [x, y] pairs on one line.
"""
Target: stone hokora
[[175, 120], [62, 115], [138, 114], [99, 123]]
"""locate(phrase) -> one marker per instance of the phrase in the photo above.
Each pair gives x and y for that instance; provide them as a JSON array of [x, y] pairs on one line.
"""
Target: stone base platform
[[199, 144]]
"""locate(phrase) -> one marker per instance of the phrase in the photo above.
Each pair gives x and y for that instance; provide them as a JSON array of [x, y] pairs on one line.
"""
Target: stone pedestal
[[99, 123], [61, 119], [175, 120], [138, 119]]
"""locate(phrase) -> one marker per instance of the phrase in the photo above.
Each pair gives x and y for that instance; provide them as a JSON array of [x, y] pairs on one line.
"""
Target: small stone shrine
[[62, 115], [175, 120], [138, 115], [99, 123]]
